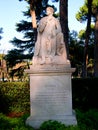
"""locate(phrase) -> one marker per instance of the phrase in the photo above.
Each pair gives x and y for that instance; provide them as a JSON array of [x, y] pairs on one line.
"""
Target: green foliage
[[14, 96], [55, 125], [82, 14], [84, 93], [77, 47], [52, 125], [95, 3], [83, 11], [15, 54], [7, 123], [88, 120], [82, 32]]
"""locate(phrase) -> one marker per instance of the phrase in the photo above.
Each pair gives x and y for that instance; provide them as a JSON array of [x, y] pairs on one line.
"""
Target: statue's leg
[[43, 51], [53, 47]]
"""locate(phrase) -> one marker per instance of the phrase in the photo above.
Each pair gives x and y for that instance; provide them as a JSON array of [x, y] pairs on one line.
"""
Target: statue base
[[50, 95]]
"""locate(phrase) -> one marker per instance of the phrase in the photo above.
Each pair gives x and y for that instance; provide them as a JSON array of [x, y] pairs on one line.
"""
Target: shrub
[[14, 97], [52, 125], [55, 125], [85, 93], [7, 123], [88, 119]]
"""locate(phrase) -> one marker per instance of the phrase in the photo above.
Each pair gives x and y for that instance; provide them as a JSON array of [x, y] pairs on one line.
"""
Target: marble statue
[[50, 46], [50, 76]]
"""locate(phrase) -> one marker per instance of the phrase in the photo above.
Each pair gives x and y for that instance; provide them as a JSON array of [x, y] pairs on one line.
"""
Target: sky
[[11, 13]]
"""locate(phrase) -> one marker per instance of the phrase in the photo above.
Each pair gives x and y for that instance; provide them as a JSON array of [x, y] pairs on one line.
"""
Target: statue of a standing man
[[48, 30]]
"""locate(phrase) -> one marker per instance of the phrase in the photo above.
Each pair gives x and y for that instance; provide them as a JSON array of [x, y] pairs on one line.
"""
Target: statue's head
[[50, 9]]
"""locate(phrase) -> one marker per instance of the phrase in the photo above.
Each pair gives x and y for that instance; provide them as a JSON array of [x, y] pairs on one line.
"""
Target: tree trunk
[[96, 47], [87, 35], [33, 16], [64, 22]]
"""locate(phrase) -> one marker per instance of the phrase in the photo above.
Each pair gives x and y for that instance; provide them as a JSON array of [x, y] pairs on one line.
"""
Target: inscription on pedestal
[[52, 98]]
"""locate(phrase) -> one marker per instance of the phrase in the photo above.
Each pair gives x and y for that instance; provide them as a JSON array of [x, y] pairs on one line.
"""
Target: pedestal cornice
[[50, 69]]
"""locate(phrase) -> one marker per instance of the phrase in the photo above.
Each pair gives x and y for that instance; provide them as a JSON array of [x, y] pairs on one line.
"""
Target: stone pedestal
[[50, 95]]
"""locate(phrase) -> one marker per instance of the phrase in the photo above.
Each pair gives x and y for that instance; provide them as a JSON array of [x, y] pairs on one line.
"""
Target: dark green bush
[[7, 123], [55, 125], [52, 125], [85, 93], [14, 96], [88, 120]]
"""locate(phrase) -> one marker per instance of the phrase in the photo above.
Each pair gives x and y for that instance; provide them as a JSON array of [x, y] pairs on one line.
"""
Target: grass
[[86, 121]]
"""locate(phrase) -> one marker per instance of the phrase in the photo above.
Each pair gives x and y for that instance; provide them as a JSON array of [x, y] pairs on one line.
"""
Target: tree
[[87, 35], [87, 15], [90, 49], [1, 58], [64, 22], [76, 52], [85, 11]]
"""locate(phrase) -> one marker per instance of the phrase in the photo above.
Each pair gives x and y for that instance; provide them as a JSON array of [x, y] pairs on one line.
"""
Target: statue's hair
[[51, 9]]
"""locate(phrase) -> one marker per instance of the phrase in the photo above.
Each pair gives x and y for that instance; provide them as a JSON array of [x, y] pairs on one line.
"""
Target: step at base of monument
[[36, 122]]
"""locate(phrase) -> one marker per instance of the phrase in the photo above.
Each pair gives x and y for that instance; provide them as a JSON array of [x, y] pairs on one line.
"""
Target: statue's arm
[[58, 26], [42, 25]]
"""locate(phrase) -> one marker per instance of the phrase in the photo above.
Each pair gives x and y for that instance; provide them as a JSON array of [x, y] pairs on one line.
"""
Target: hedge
[[85, 93], [15, 96]]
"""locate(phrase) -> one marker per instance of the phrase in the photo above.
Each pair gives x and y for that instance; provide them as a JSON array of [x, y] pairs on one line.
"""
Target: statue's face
[[49, 11]]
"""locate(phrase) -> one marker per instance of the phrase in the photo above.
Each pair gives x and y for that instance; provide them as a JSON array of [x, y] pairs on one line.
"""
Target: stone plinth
[[50, 95]]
